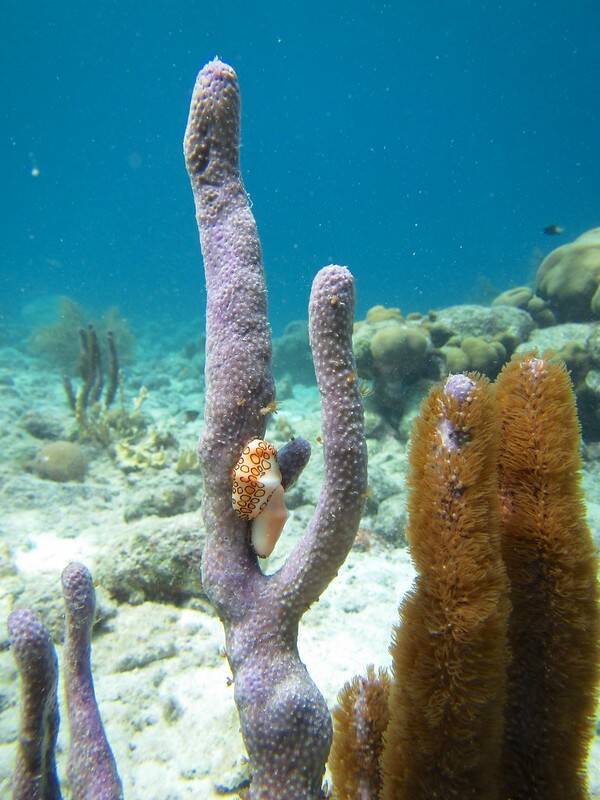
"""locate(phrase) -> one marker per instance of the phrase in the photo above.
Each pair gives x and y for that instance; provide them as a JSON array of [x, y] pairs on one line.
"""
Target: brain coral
[[395, 354], [569, 277], [61, 461], [400, 349]]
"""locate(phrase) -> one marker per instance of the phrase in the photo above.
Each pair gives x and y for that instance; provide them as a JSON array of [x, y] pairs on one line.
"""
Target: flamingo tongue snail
[[257, 494]]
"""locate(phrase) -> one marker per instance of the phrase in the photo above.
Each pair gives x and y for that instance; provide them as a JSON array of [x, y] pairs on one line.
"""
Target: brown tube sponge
[[359, 722], [551, 565], [449, 653]]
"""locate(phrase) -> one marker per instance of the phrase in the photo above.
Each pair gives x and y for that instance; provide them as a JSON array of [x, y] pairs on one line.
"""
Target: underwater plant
[[91, 371], [57, 341], [96, 420], [495, 502]]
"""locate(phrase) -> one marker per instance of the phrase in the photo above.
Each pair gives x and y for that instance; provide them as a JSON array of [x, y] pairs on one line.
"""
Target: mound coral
[[394, 353], [483, 356], [524, 297], [61, 462], [569, 277], [400, 350]]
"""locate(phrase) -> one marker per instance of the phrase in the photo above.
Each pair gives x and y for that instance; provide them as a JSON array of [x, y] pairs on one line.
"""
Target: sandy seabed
[[162, 680]]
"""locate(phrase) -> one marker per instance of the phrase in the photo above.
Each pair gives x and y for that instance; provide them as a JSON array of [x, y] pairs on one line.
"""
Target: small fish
[[553, 230]]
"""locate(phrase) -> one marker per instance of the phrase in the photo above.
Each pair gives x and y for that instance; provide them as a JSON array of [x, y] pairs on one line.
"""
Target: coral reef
[[480, 509], [292, 361], [575, 343], [480, 321], [397, 355], [479, 355], [496, 660], [91, 770], [551, 565], [134, 455], [477, 338], [61, 461], [449, 652], [569, 278], [525, 298], [57, 341], [404, 356], [121, 429], [285, 721]]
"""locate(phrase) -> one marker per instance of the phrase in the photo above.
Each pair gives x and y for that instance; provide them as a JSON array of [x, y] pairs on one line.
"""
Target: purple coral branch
[[333, 527], [34, 776], [239, 382], [285, 721], [292, 459], [91, 769]]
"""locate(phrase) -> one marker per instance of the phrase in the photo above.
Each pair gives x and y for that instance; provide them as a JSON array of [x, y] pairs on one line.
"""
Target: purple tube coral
[[285, 721], [91, 769], [34, 776]]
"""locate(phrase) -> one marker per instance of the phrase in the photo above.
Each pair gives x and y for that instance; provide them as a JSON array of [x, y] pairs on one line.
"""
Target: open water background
[[424, 144]]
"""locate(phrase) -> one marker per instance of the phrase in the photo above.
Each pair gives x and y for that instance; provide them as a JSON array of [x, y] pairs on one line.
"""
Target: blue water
[[425, 144]]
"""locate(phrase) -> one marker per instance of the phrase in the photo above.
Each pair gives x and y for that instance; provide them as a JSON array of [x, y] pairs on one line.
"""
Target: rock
[[164, 496], [154, 560], [556, 337], [473, 320], [141, 657], [390, 522], [43, 594], [41, 426]]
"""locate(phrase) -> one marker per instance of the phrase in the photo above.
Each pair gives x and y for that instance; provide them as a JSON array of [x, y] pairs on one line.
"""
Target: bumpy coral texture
[[552, 565], [284, 719], [292, 458], [449, 653], [360, 720], [91, 767], [34, 777]]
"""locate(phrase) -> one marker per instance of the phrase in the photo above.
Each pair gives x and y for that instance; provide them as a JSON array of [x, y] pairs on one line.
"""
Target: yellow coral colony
[[257, 494]]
